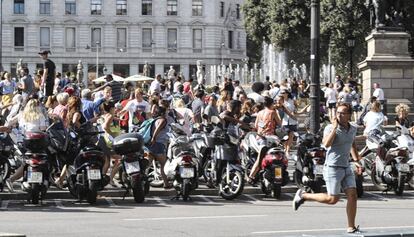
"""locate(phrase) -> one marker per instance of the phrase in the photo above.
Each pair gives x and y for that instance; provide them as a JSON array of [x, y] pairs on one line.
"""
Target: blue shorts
[[157, 149], [338, 177]]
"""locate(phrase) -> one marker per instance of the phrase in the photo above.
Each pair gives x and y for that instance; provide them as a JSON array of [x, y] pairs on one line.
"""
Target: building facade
[[121, 35]]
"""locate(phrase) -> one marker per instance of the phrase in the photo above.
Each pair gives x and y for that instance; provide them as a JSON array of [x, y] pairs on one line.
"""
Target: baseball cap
[[44, 52]]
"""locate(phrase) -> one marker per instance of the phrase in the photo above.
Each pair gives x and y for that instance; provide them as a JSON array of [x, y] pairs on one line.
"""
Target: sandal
[[353, 230], [251, 181], [168, 186]]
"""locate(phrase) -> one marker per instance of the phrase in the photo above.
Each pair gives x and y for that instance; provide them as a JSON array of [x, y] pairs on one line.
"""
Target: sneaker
[[9, 185], [298, 199], [353, 230]]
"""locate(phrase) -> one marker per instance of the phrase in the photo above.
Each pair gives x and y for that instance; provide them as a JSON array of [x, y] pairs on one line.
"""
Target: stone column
[[388, 63]]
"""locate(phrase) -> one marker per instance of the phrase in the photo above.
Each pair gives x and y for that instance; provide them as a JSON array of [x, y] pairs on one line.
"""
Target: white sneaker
[[9, 185], [298, 199]]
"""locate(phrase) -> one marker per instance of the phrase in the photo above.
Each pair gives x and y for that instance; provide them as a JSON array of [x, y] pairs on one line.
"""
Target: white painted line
[[160, 201], [111, 202], [5, 204], [376, 196], [193, 217], [289, 194], [59, 204], [333, 229], [251, 198], [206, 199]]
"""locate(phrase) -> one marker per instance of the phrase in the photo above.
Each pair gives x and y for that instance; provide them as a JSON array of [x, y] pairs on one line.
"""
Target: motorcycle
[[309, 163], [224, 168], [273, 174], [131, 147], [87, 177], [390, 169], [37, 168], [405, 140], [202, 148], [11, 157], [181, 165]]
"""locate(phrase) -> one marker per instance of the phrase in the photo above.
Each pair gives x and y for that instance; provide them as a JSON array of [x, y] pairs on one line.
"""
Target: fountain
[[273, 63]]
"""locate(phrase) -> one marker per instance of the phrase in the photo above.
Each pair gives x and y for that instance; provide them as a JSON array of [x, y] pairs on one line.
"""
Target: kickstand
[[125, 194]]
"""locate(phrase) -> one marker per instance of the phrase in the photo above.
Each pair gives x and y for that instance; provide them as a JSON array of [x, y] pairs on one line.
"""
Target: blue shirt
[[7, 86], [339, 152], [89, 108]]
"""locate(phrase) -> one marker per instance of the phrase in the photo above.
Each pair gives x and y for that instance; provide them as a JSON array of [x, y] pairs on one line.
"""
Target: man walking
[[339, 140], [48, 77]]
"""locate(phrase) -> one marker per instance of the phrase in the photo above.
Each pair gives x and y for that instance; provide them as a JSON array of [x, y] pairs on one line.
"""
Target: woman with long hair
[[31, 119], [75, 117], [223, 100]]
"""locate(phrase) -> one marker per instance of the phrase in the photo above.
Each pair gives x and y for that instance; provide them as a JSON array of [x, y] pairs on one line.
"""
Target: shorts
[[332, 105], [256, 142], [157, 149], [289, 128], [338, 177]]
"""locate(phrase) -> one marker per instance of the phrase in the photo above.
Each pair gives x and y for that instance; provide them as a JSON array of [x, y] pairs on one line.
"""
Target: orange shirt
[[266, 122]]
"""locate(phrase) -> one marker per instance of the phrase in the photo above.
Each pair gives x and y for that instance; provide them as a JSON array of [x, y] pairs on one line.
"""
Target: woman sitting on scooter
[[31, 119], [266, 122], [158, 144]]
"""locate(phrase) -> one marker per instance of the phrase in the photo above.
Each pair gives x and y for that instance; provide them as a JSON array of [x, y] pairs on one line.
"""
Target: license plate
[[94, 174], [278, 172], [186, 172], [318, 169], [132, 167], [34, 177], [404, 168]]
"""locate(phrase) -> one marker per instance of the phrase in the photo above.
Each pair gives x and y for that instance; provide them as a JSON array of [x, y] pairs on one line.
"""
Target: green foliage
[[286, 24]]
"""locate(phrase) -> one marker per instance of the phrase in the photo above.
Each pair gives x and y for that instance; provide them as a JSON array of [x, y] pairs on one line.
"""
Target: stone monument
[[388, 61], [146, 70], [200, 76], [79, 74]]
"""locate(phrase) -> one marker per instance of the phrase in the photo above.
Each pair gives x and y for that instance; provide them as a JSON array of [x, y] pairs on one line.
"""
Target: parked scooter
[[37, 168], [131, 147], [390, 170], [87, 178], [181, 165], [224, 169], [11, 157], [273, 174], [309, 163], [404, 139]]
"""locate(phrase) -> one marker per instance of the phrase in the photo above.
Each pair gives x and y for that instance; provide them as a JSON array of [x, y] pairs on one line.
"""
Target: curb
[[64, 194], [11, 235]]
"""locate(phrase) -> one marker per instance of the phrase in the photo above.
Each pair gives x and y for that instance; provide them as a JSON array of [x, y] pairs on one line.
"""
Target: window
[[18, 7], [70, 36], [147, 39], [44, 7], [44, 38], [18, 38], [96, 7], [70, 7], [121, 39], [221, 9], [230, 39], [171, 7], [95, 38], [172, 40], [146, 7], [237, 11], [121, 7], [121, 70], [197, 7], [197, 40]]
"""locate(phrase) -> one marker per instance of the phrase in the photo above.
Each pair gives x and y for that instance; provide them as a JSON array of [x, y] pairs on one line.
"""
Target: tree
[[286, 24]]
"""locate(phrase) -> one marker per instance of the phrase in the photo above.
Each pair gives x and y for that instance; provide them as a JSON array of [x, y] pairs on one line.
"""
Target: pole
[[329, 64], [1, 35], [315, 60], [97, 59], [351, 49]]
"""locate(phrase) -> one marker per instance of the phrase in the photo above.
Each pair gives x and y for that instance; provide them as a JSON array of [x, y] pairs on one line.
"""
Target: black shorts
[[290, 128], [332, 105], [49, 89]]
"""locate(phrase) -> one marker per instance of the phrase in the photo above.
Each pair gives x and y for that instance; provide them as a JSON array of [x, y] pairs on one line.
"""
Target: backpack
[[145, 130]]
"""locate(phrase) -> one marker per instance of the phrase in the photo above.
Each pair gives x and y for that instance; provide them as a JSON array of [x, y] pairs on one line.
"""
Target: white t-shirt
[[373, 120], [134, 108], [186, 115], [155, 86], [287, 120], [256, 97], [379, 94], [274, 92], [330, 95], [176, 84]]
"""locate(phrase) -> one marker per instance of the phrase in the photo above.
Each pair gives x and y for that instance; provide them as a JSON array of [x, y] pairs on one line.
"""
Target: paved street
[[250, 215]]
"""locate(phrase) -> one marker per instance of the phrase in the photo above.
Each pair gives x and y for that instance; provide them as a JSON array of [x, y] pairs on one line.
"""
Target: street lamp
[[97, 57], [351, 45], [1, 35]]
